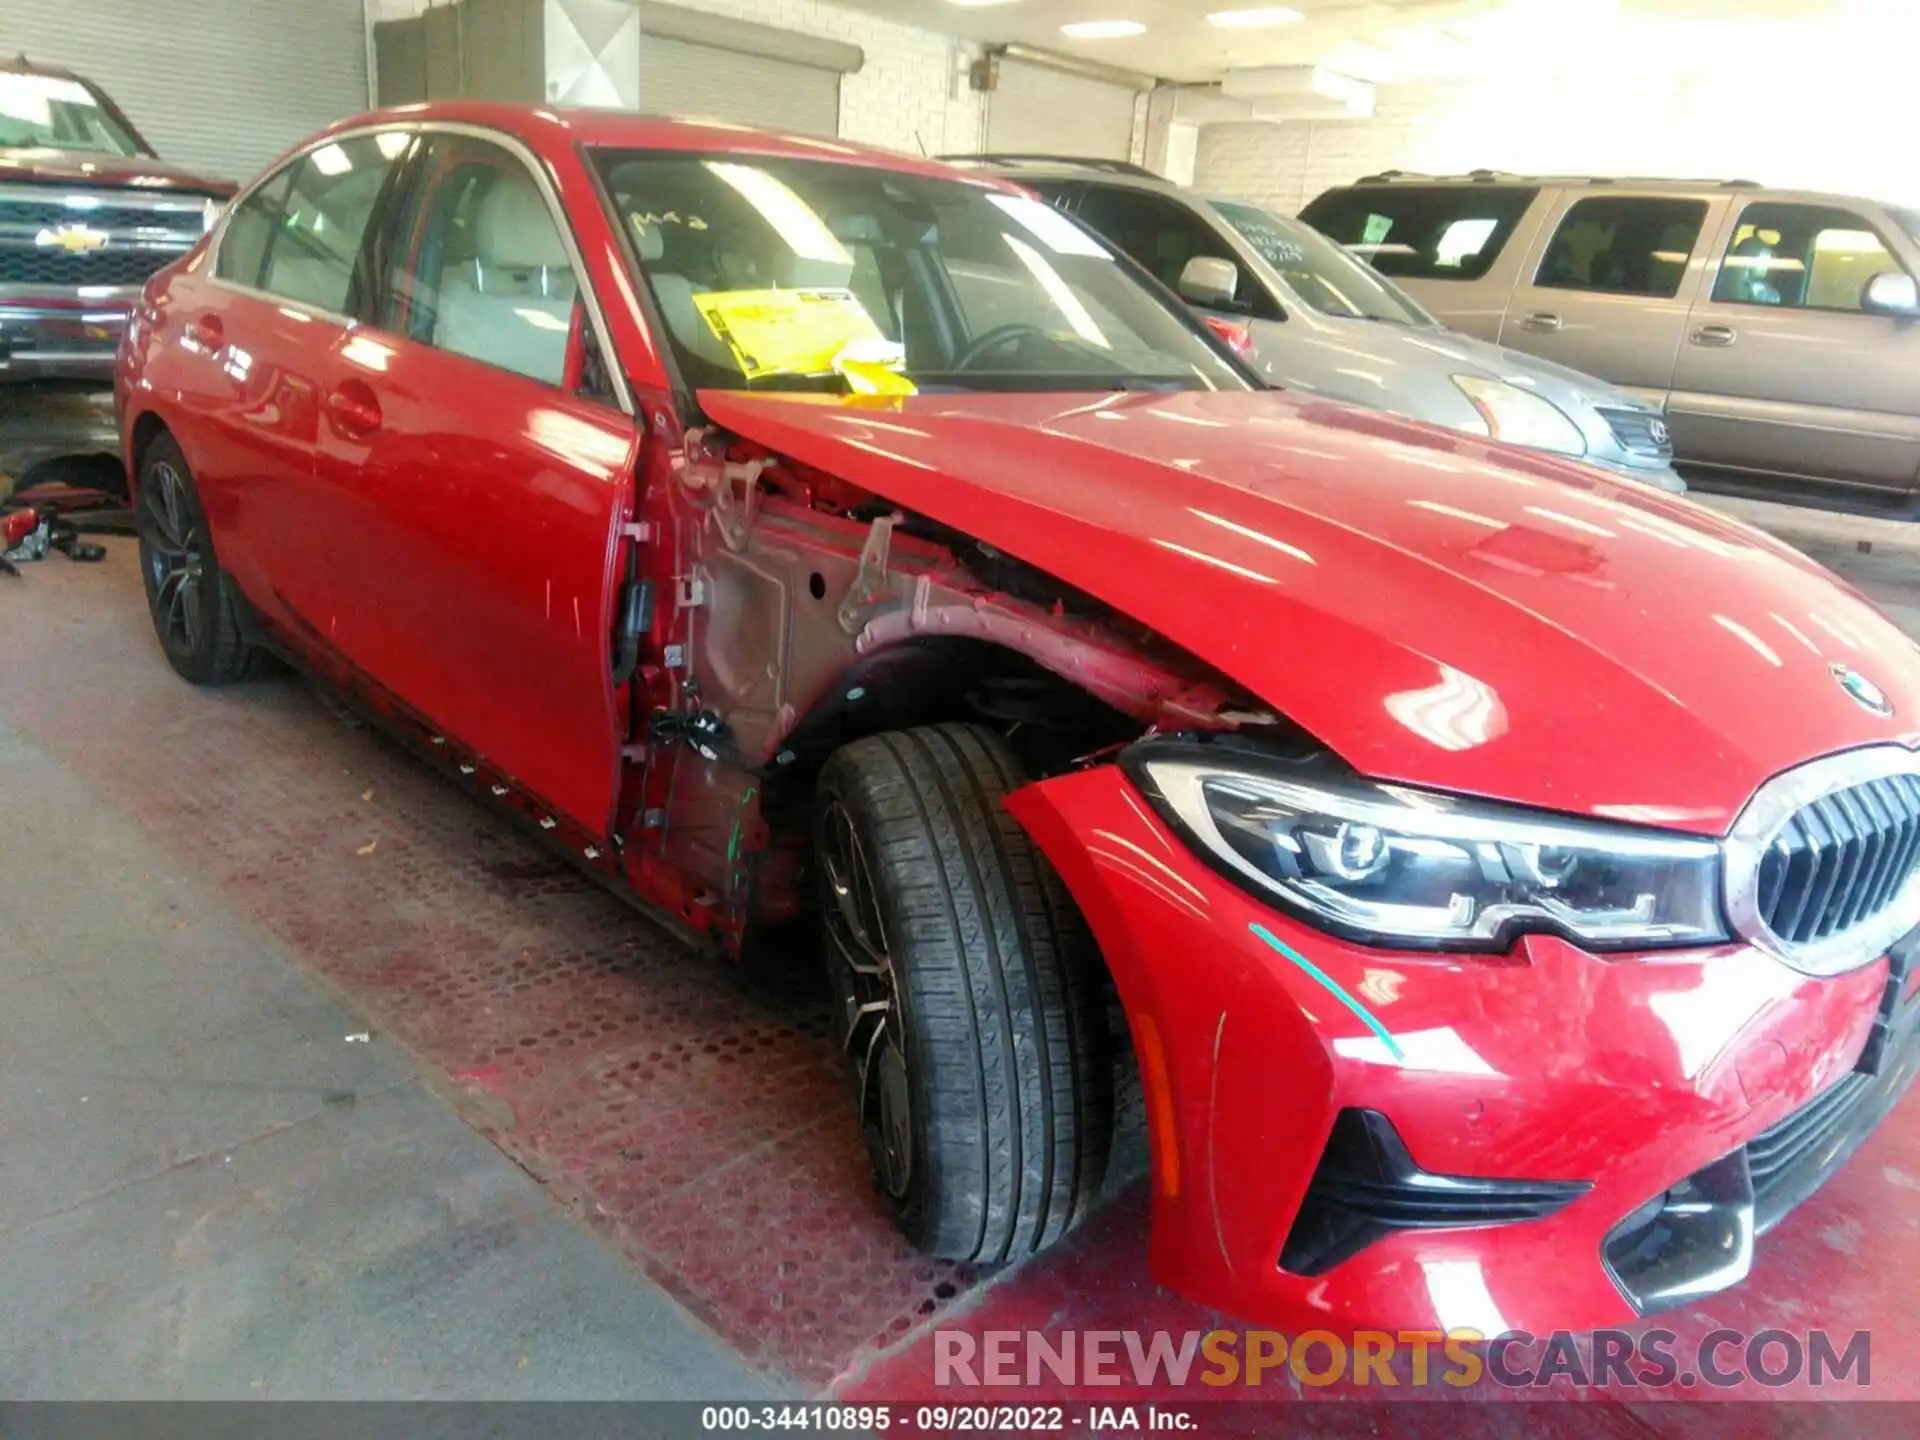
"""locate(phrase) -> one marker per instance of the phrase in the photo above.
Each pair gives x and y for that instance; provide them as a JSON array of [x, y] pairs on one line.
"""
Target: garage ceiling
[[1179, 44], [1382, 40]]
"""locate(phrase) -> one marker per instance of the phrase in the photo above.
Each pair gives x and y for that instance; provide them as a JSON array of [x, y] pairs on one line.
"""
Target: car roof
[[1120, 173], [565, 126], [19, 64], [1009, 160], [1642, 184]]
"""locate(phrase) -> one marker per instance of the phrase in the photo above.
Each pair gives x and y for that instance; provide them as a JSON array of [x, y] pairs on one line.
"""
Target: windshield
[[1321, 273], [51, 112], [803, 274]]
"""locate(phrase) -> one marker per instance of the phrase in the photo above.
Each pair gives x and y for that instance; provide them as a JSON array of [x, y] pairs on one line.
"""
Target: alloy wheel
[[173, 548], [868, 985]]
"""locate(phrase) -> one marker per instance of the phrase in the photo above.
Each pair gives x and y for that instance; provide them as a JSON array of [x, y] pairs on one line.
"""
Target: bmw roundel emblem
[[1867, 695]]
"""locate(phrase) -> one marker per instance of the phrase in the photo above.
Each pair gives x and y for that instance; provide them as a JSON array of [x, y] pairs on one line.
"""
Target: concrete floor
[[215, 1183], [208, 1189]]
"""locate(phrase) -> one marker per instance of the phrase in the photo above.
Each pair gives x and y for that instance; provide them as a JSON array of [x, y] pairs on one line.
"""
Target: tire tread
[[1003, 1009]]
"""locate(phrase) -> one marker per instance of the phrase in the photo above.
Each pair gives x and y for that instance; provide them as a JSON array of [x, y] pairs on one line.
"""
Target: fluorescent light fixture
[[331, 160], [796, 222], [1264, 18], [1103, 29]]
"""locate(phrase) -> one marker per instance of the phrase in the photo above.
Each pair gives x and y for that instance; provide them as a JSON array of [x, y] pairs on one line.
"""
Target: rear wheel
[[196, 613], [966, 986]]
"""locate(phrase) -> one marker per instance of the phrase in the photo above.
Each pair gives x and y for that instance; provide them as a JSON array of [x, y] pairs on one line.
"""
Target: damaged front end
[[801, 612]]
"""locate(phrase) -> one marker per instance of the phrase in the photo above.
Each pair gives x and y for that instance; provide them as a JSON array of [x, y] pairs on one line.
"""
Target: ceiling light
[[978, 4], [1103, 29], [1261, 19]]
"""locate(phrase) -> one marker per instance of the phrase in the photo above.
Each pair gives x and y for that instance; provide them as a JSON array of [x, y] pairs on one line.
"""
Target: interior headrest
[[514, 229], [649, 240]]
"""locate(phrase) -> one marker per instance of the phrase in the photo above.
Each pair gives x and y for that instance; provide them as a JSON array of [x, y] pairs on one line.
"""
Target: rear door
[[255, 342], [1782, 371], [1457, 248], [478, 469]]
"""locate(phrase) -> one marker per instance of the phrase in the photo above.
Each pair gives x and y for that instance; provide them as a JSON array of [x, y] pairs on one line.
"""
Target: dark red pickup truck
[[87, 214]]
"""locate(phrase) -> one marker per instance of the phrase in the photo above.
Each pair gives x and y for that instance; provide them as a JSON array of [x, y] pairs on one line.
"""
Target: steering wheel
[[988, 341]]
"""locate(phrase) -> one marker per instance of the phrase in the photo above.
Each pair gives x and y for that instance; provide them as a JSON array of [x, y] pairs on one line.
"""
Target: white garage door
[[678, 77], [1035, 110], [221, 86]]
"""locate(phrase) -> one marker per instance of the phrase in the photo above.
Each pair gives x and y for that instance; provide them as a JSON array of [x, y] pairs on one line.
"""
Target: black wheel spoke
[[176, 525], [167, 548], [171, 545], [864, 977], [861, 1015], [178, 599], [864, 1066]]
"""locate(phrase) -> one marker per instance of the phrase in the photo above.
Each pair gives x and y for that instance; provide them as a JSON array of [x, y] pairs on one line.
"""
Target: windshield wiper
[[793, 382]]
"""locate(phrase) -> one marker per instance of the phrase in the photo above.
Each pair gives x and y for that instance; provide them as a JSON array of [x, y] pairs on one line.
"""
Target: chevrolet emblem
[[74, 238]]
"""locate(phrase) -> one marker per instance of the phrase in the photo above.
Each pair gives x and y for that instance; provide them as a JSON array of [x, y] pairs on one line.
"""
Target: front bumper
[[62, 335], [1602, 1083]]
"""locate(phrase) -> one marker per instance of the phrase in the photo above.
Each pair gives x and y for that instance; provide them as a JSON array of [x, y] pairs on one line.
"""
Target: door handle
[[354, 409], [1542, 323], [207, 332], [1715, 337]]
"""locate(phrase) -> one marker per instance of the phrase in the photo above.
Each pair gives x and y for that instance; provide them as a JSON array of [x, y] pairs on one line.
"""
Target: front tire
[[968, 997], [195, 609]]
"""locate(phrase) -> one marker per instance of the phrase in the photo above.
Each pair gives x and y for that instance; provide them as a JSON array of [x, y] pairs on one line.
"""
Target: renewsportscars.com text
[[1386, 1359]]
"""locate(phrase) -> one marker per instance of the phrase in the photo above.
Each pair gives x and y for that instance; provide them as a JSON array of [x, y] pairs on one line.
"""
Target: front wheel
[[968, 997], [196, 613]]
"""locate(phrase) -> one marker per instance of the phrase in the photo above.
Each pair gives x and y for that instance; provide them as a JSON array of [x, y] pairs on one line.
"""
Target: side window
[[1164, 235], [1812, 257], [1624, 245], [1424, 232], [482, 269], [243, 244], [313, 242]]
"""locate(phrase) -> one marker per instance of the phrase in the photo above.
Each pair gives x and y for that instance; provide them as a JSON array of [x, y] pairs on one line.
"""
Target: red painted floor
[[697, 1122]]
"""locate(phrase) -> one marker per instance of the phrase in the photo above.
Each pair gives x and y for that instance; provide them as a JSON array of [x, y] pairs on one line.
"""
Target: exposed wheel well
[[930, 680], [147, 429]]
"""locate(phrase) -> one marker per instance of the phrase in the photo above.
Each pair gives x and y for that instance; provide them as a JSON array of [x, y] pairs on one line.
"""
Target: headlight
[[1388, 865], [1519, 418]]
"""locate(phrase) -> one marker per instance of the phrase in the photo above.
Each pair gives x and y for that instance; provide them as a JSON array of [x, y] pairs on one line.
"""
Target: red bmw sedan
[[1507, 874]]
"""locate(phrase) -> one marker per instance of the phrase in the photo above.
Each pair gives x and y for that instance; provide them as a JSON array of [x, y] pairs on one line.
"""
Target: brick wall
[[1677, 119], [1285, 165]]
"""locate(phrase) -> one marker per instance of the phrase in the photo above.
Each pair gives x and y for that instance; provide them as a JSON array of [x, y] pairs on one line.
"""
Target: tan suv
[[1780, 330]]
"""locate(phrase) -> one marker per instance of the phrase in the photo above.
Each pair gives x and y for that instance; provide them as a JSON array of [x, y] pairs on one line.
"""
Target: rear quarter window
[[1423, 232]]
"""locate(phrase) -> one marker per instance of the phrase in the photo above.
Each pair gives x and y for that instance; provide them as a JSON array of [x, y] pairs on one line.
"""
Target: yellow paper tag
[[792, 332], [874, 377]]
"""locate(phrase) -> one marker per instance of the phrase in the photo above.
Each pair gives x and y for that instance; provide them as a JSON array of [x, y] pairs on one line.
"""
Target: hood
[[1438, 610], [1499, 361], [75, 167], [1414, 354]]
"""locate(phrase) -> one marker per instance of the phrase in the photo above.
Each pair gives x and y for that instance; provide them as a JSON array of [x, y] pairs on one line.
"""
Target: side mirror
[[1892, 292], [1210, 281]]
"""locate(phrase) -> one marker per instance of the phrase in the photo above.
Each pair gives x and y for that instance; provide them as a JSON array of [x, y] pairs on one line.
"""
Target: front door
[[1608, 292], [1783, 372], [487, 476]]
